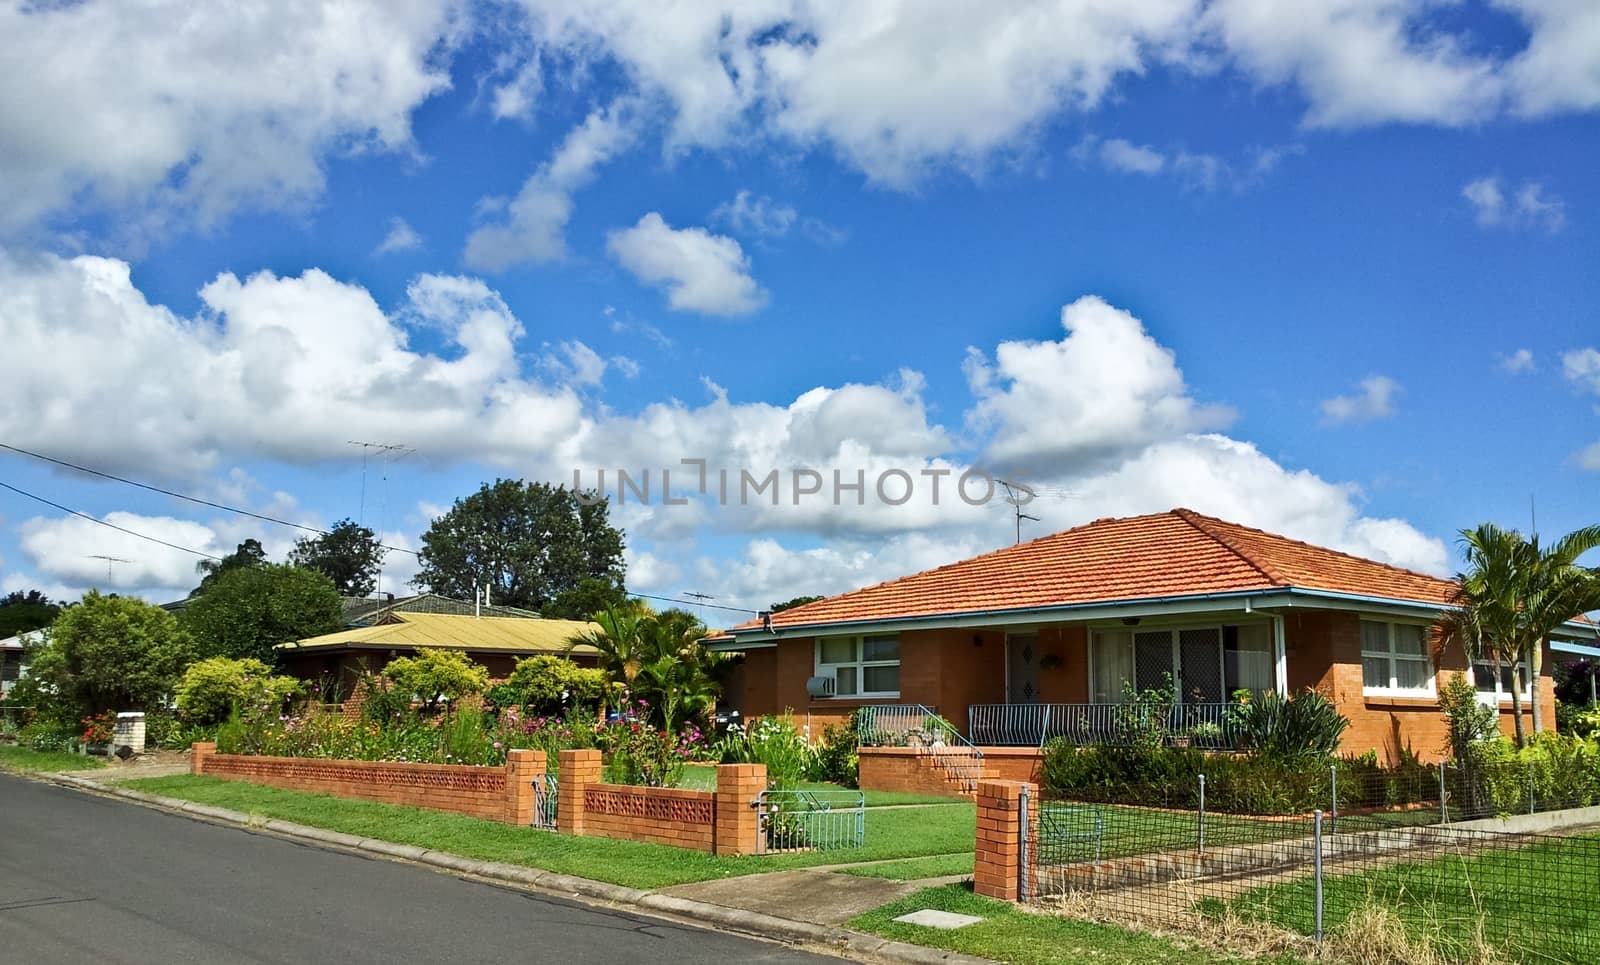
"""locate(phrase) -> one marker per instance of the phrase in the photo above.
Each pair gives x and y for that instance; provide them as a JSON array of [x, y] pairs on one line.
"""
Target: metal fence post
[[1022, 850], [1317, 854], [1444, 808], [1202, 814]]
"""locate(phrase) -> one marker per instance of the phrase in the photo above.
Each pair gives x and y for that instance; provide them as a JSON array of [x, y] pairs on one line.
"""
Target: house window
[[1493, 687], [1394, 658], [861, 666], [1205, 664]]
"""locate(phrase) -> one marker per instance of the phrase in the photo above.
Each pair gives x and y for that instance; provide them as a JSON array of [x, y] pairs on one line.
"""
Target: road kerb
[[692, 912]]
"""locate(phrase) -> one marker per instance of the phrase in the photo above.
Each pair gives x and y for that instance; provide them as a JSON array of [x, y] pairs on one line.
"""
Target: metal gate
[[544, 802], [811, 820]]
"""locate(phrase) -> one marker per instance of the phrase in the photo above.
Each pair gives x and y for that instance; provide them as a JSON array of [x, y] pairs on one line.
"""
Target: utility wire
[[120, 529], [176, 495], [713, 606]]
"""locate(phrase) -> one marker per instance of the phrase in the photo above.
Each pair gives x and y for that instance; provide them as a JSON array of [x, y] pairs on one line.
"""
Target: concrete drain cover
[[939, 919]]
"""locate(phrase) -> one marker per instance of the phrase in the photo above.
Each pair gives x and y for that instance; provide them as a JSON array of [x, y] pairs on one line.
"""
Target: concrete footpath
[[718, 907]]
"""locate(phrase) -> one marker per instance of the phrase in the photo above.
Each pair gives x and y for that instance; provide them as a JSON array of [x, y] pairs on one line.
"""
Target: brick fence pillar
[[198, 754], [998, 864], [524, 768], [738, 827], [579, 769]]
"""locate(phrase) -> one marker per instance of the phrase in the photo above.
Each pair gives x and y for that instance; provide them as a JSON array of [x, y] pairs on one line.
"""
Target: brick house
[[494, 642], [1037, 639]]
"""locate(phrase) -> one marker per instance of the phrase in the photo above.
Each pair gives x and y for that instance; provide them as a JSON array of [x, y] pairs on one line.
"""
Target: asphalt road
[[89, 879]]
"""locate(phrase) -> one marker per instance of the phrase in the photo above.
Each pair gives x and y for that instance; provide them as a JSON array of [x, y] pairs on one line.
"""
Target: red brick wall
[[481, 792], [1324, 653], [998, 857], [1067, 649]]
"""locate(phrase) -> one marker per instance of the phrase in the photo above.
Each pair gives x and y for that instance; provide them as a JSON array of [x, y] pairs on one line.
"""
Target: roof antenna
[[1016, 502], [700, 598], [109, 560]]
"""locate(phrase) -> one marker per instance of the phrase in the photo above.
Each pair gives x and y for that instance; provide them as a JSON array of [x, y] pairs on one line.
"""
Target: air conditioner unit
[[820, 686]]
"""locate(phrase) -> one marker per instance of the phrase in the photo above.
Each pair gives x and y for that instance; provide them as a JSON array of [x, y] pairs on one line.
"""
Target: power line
[[177, 495], [714, 606], [120, 529]]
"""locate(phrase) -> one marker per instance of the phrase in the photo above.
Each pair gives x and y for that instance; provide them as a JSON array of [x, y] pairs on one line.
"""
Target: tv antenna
[[701, 599], [1017, 502], [388, 452], [109, 561]]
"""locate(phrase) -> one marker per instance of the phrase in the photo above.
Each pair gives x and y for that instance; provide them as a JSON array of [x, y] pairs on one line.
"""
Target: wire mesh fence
[[811, 820], [1449, 854]]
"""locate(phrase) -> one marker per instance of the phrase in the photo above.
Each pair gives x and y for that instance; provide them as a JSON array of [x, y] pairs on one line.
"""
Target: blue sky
[[1328, 271]]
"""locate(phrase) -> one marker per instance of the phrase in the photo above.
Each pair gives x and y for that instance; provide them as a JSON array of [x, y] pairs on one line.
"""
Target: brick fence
[[492, 793], [724, 821]]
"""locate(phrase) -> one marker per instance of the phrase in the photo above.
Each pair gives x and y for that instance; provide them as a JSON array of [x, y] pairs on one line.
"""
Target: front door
[[1022, 668]]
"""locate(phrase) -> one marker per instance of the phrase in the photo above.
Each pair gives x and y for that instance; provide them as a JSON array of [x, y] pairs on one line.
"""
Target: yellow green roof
[[452, 632]]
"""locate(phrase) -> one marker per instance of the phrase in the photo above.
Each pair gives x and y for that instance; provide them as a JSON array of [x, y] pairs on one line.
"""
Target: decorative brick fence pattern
[[492, 793]]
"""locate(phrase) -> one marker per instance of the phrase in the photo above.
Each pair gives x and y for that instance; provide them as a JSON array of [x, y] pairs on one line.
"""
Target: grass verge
[[1534, 903], [13, 758], [1008, 934], [892, 833]]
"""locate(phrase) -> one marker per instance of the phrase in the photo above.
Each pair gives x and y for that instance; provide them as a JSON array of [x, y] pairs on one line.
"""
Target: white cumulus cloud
[[1375, 400], [400, 237], [1527, 206], [700, 271]]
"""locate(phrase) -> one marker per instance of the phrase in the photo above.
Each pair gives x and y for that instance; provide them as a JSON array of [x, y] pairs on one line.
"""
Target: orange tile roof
[[1173, 554]]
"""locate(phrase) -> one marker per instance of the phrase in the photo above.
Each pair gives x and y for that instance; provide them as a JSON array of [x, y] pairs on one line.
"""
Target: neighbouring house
[[1050, 637], [13, 654], [364, 611], [495, 642]]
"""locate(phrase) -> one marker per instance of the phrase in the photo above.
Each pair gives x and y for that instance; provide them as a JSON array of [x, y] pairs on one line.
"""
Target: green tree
[[530, 542], [112, 653], [791, 604], [660, 659], [348, 554], [210, 689], [249, 610], [548, 685], [246, 555], [1513, 595], [583, 601], [21, 612], [434, 675], [619, 641]]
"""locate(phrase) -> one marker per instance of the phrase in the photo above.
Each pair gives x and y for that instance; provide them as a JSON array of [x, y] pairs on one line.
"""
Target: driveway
[[85, 879]]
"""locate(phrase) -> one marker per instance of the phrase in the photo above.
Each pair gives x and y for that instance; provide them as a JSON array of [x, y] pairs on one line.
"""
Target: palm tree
[[1557, 590], [620, 642], [1513, 595]]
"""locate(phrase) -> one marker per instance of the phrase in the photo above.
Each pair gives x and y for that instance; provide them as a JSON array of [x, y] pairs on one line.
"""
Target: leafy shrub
[[641, 754], [1304, 725], [1554, 769], [838, 759], [1251, 783], [100, 728], [435, 675], [1469, 721], [182, 736], [548, 685], [210, 689], [775, 742], [1582, 721]]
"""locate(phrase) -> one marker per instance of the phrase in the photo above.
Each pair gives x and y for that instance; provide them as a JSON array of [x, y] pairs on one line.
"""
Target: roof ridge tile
[[1199, 522]]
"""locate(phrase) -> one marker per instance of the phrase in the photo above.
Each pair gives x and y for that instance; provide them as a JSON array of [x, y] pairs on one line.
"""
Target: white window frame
[[1176, 630], [1497, 695], [1391, 655], [859, 643]]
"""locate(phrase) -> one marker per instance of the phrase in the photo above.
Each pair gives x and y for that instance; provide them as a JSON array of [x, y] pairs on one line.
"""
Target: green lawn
[[1541, 901], [16, 758], [911, 869], [890, 833], [1010, 935]]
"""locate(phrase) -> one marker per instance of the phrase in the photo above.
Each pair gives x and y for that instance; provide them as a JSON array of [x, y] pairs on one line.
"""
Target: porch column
[[1280, 657]]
